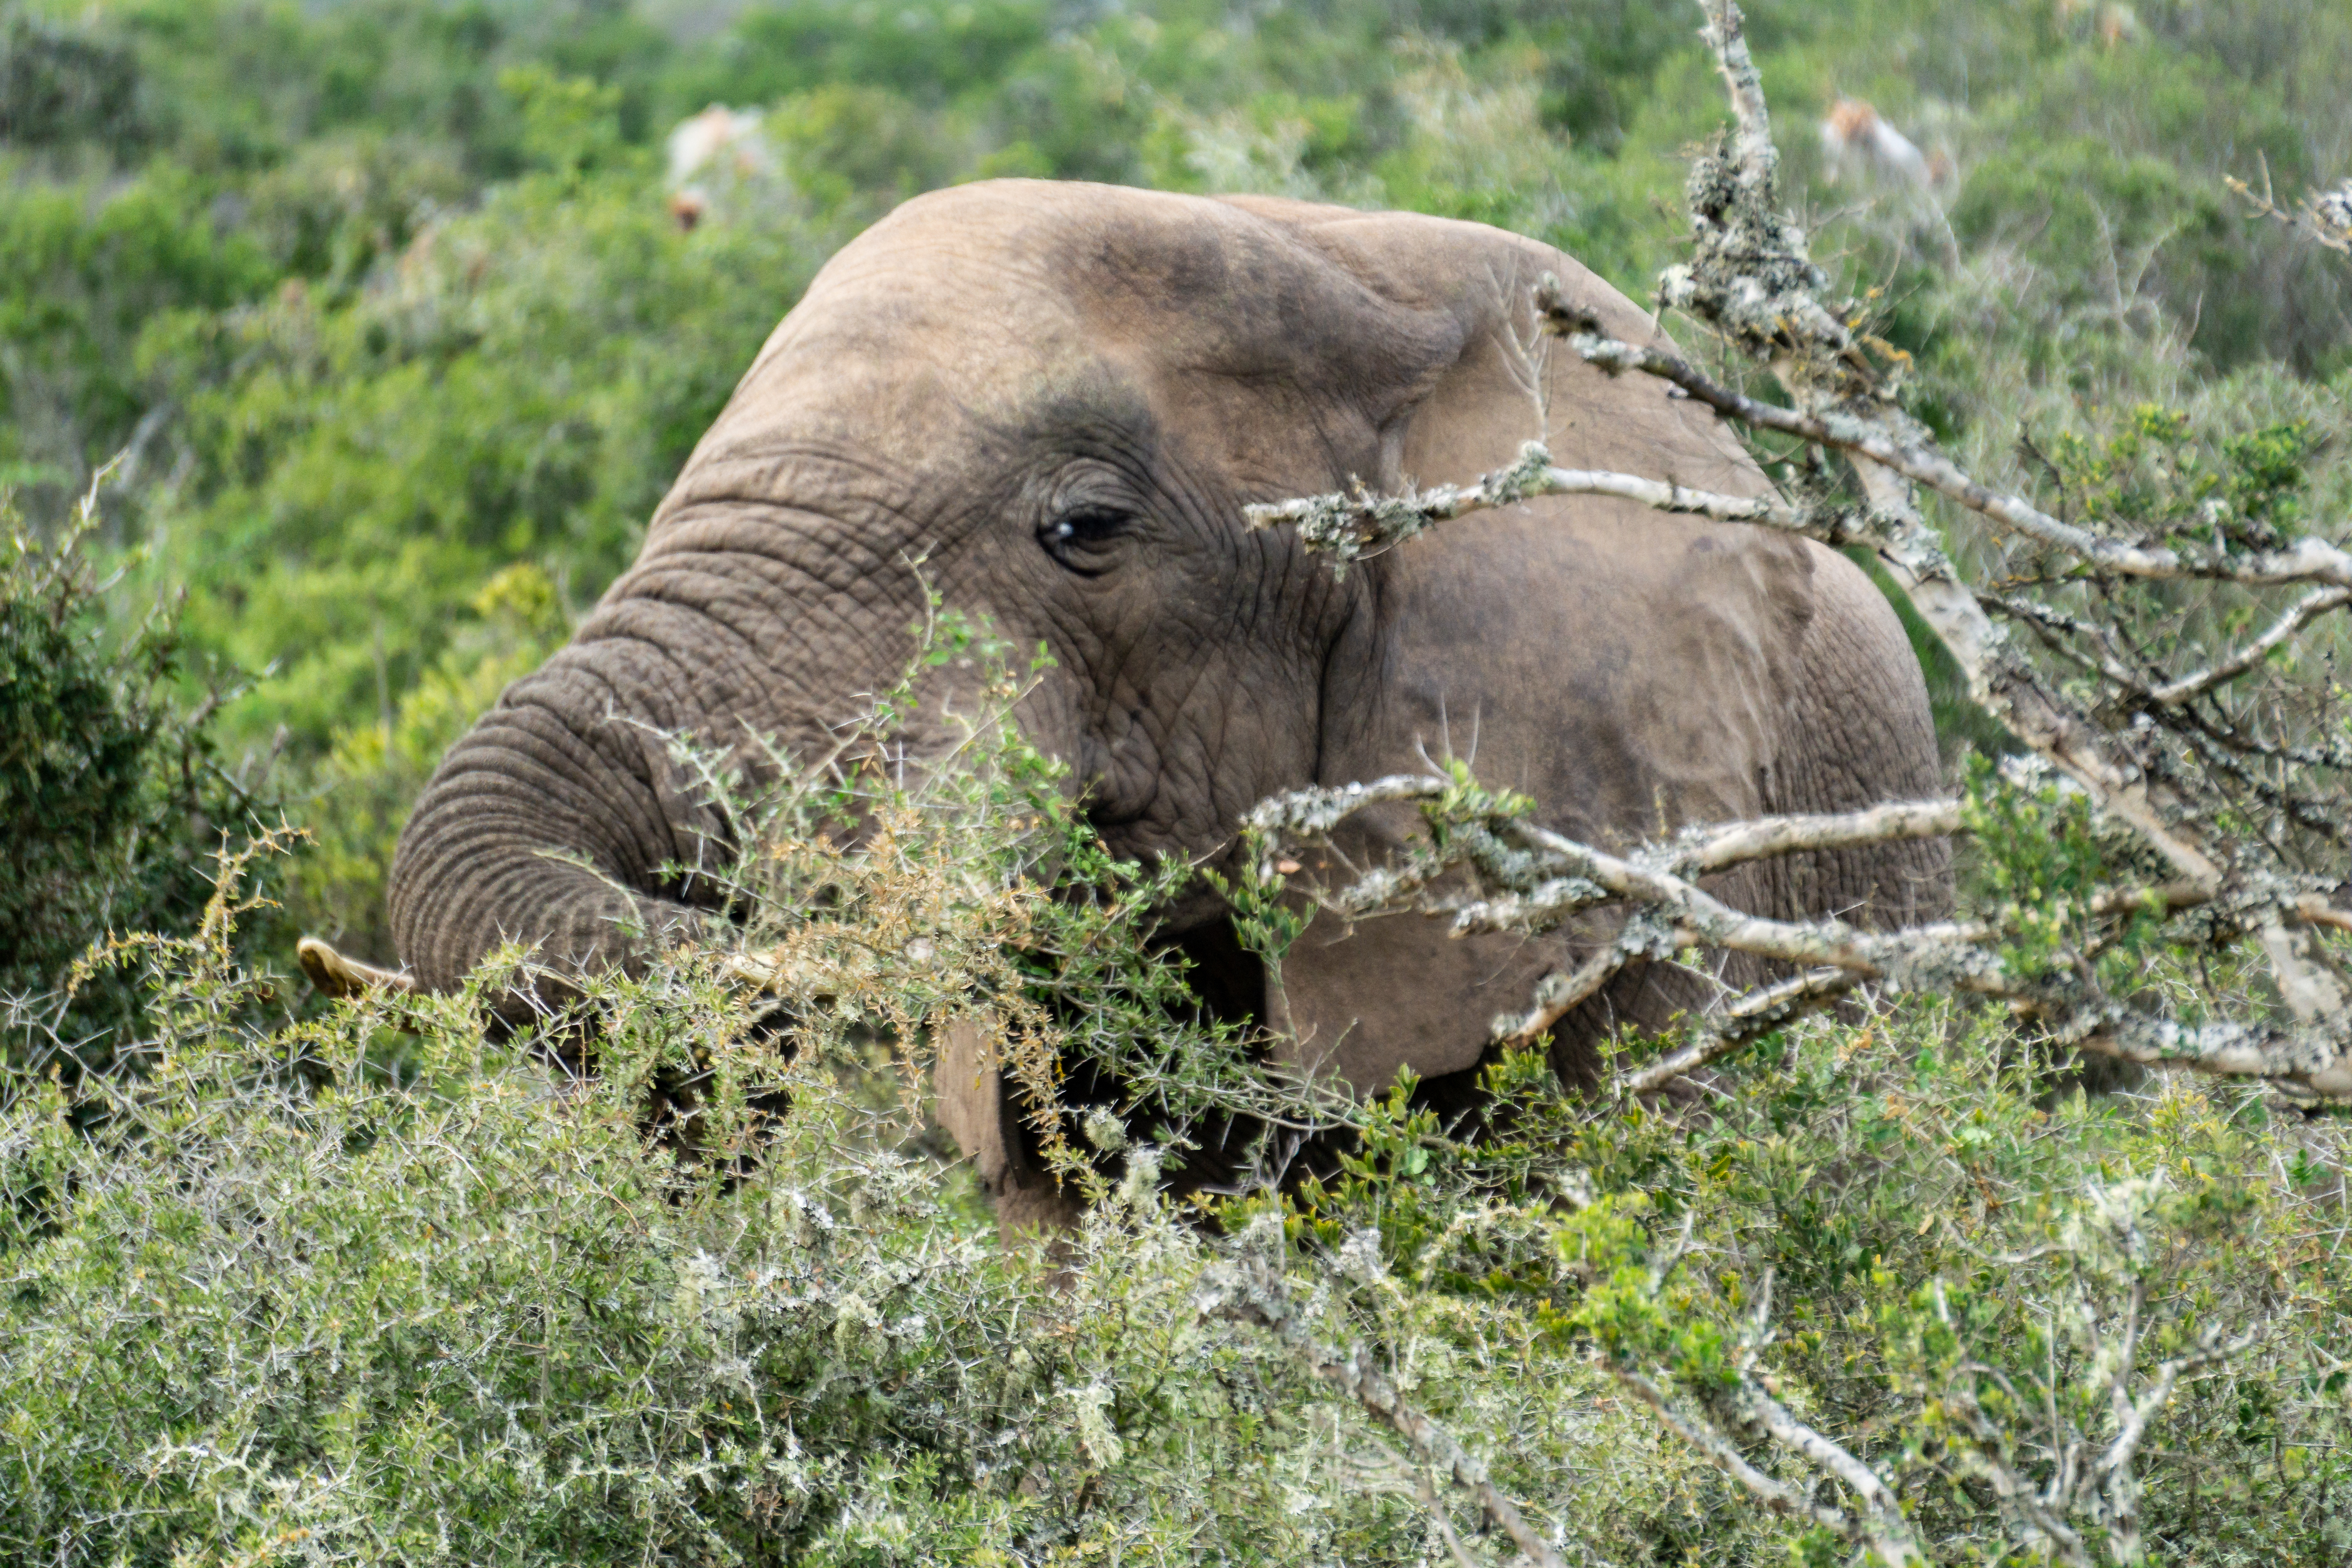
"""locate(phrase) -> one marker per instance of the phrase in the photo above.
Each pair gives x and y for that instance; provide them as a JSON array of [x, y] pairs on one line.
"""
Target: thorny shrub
[[329, 1291]]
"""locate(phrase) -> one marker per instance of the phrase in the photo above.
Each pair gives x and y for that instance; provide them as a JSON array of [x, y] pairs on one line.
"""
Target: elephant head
[[1061, 396]]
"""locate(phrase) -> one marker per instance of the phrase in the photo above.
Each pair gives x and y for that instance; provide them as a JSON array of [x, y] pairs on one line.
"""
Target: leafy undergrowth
[[334, 1292], [302, 1296]]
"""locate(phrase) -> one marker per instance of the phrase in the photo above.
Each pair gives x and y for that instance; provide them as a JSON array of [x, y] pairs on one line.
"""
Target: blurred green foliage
[[300, 1292], [383, 299], [113, 802]]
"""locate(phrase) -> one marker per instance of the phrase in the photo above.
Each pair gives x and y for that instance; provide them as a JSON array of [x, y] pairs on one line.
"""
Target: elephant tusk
[[339, 976]]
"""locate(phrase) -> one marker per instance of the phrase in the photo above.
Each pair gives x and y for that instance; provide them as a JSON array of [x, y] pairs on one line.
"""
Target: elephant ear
[[1631, 671], [1507, 382]]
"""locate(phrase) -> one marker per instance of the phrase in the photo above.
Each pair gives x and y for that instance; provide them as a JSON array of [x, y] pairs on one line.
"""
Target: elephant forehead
[[984, 290]]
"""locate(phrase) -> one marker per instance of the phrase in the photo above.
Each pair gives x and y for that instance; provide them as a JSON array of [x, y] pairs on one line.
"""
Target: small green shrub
[[309, 1292], [1892, 1226], [321, 1290], [111, 804]]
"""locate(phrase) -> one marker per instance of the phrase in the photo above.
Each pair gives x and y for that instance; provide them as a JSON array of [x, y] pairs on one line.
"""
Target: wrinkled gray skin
[[992, 361]]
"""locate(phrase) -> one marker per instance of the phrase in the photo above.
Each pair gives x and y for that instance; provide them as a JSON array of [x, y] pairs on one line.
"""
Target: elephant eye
[[1078, 536]]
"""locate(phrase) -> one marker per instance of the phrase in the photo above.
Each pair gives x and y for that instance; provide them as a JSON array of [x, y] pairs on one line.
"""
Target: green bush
[[371, 464], [290, 1297], [324, 1289], [111, 803]]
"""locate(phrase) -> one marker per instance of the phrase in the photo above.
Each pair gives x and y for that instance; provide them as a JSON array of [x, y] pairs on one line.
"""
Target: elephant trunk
[[559, 822]]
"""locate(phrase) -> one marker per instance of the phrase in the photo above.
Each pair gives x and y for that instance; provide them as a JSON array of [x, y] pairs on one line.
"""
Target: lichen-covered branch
[[2309, 559], [1882, 1525], [2324, 219], [1701, 850], [1529, 877], [2236, 794], [1739, 1024], [2294, 619], [1947, 956], [1353, 525], [1720, 1452], [1557, 996]]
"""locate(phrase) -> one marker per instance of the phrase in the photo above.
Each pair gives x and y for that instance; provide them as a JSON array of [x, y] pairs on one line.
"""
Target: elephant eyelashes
[[1079, 538]]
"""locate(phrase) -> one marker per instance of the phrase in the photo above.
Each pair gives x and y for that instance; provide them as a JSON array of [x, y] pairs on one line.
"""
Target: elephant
[[1062, 395]]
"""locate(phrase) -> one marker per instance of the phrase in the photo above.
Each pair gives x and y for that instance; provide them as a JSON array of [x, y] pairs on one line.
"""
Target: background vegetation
[[387, 311], [327, 1291], [384, 306]]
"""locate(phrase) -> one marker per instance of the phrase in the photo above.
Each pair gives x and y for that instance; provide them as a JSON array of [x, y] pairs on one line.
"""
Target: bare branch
[[2310, 560], [1883, 1525], [1956, 956], [2213, 1351], [1998, 679], [1700, 850], [1319, 809], [1352, 526], [1557, 996], [2299, 615], [1251, 1290], [1780, 1497], [1541, 877], [1987, 1454], [1757, 1012], [1579, 877]]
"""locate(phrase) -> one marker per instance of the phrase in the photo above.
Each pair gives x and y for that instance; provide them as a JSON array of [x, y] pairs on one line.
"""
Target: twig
[[1250, 1290], [1358, 524], [1757, 1012], [2297, 617], [1555, 996], [1778, 1496], [2136, 1413], [1883, 1523], [1700, 850]]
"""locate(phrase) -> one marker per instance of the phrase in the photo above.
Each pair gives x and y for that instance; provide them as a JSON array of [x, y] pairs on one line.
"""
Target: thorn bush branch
[[1865, 435]]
